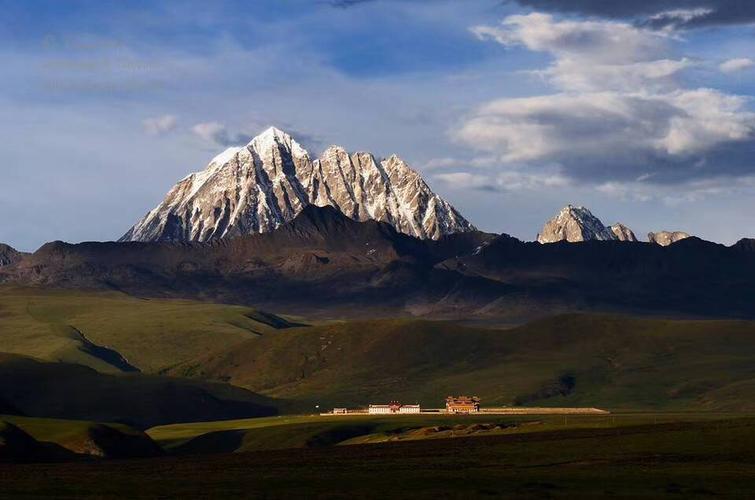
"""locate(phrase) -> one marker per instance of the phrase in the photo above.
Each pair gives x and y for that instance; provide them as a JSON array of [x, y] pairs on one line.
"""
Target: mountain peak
[[272, 179], [272, 138], [275, 133], [574, 224]]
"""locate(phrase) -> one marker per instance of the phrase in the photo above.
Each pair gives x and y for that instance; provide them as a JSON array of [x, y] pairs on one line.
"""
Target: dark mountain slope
[[323, 263], [9, 255], [691, 276], [320, 258]]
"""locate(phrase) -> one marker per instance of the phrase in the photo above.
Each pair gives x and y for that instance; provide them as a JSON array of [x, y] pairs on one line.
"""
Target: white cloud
[[507, 180], [735, 65], [219, 134], [440, 163], [209, 130], [674, 18], [159, 125], [617, 112]]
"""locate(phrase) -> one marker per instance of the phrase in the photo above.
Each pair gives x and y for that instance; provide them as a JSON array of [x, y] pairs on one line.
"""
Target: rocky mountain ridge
[[9, 255], [259, 187], [665, 238], [575, 224], [323, 262]]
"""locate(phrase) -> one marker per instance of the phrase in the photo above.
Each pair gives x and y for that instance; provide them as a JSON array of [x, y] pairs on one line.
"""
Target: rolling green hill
[[113, 332], [571, 360], [608, 361]]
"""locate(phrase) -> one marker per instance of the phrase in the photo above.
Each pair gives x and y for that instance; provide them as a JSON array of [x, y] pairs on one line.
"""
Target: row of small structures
[[454, 404], [457, 405]]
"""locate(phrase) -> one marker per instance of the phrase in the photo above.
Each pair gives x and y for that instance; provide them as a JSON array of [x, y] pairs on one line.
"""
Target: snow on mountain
[[258, 187], [665, 238], [575, 224]]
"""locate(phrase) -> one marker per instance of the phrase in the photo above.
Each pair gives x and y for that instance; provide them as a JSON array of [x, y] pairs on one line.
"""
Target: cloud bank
[[657, 13], [619, 111]]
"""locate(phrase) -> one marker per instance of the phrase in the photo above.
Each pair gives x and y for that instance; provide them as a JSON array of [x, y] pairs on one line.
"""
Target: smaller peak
[[622, 232], [666, 238]]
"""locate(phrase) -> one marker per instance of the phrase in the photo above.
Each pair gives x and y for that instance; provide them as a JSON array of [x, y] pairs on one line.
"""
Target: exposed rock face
[[9, 255], [574, 224], [622, 232], [257, 188], [665, 238]]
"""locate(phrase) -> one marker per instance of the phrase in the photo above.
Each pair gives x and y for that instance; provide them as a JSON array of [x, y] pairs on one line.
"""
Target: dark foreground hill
[[687, 459], [62, 390], [323, 263], [18, 446], [24, 439]]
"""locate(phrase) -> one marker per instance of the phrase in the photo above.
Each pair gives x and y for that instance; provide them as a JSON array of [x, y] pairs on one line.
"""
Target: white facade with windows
[[392, 408]]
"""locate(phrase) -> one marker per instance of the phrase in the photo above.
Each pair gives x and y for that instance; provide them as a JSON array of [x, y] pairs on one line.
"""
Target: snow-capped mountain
[[575, 224], [258, 187]]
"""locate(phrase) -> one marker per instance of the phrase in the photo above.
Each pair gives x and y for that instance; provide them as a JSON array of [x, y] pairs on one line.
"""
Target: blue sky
[[510, 110]]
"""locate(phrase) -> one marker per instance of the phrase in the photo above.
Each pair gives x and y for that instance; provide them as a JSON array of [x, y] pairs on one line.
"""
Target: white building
[[409, 409], [391, 408]]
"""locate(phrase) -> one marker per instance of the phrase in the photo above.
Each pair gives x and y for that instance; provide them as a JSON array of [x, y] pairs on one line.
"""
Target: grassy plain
[[307, 431], [692, 456]]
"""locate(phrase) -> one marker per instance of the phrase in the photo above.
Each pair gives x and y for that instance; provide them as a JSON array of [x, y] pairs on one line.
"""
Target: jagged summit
[[577, 223], [258, 187], [574, 224]]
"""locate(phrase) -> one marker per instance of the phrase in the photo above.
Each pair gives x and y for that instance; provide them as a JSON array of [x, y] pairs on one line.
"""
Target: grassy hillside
[[111, 331], [571, 360], [68, 391], [684, 459]]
